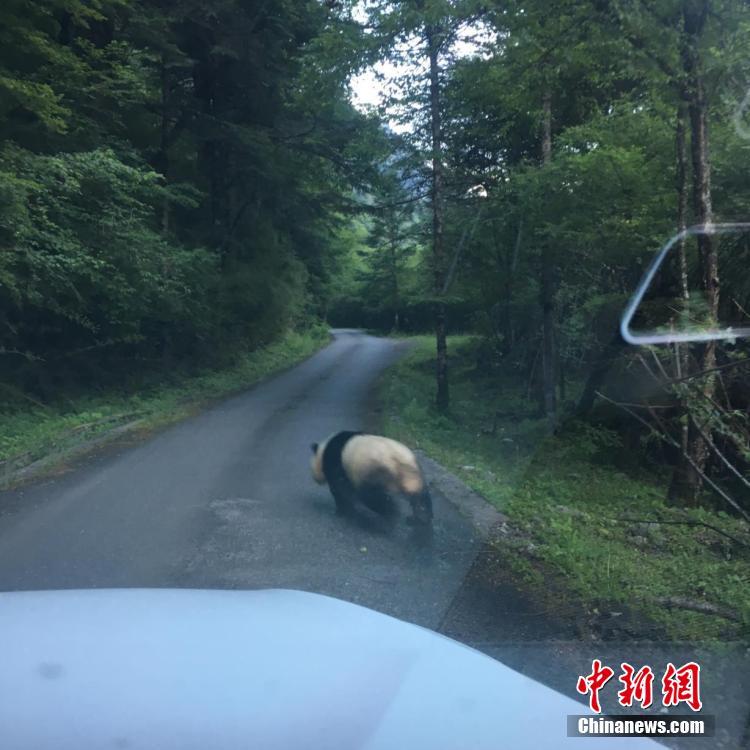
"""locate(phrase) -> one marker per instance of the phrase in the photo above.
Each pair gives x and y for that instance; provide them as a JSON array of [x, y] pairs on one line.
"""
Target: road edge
[[486, 519], [45, 465], [482, 514]]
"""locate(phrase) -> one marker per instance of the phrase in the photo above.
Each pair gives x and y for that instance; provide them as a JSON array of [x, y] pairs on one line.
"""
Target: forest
[[183, 183]]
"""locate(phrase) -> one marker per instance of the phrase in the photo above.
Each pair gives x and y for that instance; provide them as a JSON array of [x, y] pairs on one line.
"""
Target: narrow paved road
[[225, 499]]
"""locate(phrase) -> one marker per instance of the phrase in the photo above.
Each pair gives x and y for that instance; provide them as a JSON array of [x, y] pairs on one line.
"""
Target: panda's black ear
[[314, 447]]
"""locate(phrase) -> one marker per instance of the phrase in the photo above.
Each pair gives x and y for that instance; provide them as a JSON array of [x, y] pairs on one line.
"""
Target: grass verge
[[29, 435], [591, 513]]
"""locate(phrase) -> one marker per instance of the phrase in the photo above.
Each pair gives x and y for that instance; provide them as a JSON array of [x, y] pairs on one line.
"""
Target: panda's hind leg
[[421, 505], [377, 500]]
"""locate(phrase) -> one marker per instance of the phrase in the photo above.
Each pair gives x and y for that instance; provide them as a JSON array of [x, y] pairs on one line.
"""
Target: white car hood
[[209, 670]]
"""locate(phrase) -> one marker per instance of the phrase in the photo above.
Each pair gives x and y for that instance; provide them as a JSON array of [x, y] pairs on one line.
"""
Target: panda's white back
[[368, 457]]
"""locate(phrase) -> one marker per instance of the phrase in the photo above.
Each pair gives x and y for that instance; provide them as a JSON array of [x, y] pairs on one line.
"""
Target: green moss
[[571, 496]]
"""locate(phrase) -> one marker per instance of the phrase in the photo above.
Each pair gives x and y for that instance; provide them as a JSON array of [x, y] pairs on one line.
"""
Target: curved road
[[225, 500]]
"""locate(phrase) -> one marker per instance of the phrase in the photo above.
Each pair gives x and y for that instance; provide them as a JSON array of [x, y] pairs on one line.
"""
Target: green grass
[[35, 433], [568, 495]]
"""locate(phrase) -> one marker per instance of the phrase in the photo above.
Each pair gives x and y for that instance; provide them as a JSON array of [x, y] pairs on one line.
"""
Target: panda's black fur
[[342, 489], [372, 495]]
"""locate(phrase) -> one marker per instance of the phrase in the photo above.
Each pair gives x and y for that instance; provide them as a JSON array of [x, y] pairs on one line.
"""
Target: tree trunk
[[161, 165], [438, 250], [694, 14], [205, 83], [682, 197], [684, 477], [511, 263], [561, 384], [598, 373], [549, 379], [393, 270], [164, 139]]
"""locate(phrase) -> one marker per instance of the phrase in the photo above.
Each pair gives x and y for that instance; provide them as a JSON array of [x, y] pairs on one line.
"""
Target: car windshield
[[440, 307]]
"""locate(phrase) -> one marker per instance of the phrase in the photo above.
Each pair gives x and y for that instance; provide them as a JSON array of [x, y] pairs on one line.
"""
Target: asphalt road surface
[[225, 500]]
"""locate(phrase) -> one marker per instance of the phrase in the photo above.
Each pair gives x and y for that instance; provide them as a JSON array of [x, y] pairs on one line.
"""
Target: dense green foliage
[[171, 176]]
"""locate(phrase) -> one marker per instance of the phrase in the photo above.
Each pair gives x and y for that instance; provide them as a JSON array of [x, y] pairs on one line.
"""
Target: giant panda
[[371, 469]]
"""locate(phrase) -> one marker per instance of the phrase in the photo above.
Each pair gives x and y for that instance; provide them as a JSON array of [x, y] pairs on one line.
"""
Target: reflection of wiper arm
[[654, 337]]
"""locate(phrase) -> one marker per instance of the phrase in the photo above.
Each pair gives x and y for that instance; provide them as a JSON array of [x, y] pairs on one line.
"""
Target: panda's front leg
[[343, 495]]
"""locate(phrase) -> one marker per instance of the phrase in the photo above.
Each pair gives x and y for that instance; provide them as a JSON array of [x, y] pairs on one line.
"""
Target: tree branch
[[667, 438], [683, 523], [706, 608], [454, 263], [700, 374]]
